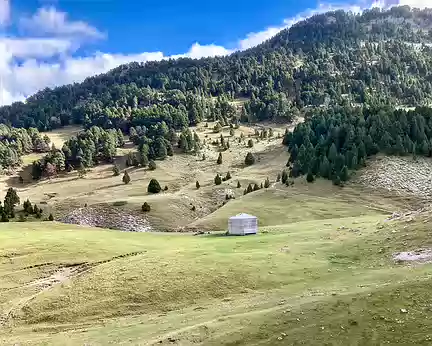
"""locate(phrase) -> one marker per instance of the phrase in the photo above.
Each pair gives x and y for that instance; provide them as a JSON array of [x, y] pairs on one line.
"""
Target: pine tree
[[249, 159], [278, 178], [238, 185], [219, 160], [256, 187], [142, 158], [228, 176], [126, 178], [116, 171], [218, 180], [249, 188], [197, 184], [50, 217], [267, 183], [310, 177], [324, 169], [344, 174], [250, 143], [154, 187]]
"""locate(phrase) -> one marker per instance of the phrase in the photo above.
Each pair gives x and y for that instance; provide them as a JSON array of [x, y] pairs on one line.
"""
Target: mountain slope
[[335, 57]]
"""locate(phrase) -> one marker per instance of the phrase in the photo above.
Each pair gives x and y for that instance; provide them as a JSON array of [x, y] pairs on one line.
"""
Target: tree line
[[333, 142]]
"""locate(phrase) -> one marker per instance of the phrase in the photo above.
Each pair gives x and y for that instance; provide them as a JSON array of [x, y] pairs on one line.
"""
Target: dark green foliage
[[250, 188], [249, 159], [344, 175], [22, 218], [278, 178], [228, 176], [50, 217], [332, 142], [267, 183], [193, 208], [197, 184], [219, 160], [217, 128], [154, 187], [152, 165], [261, 186], [166, 188], [116, 171], [336, 180], [145, 207], [27, 206], [218, 179], [238, 185], [256, 187], [310, 177], [250, 143], [126, 178]]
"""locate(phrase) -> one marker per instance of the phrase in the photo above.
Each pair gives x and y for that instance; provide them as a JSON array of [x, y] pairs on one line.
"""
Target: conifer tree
[[126, 178], [152, 165], [219, 160], [116, 170], [154, 186], [249, 159], [238, 185], [145, 207], [218, 180], [197, 184], [267, 183]]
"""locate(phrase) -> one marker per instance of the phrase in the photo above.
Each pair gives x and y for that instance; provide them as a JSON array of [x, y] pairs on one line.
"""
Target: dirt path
[[62, 274]]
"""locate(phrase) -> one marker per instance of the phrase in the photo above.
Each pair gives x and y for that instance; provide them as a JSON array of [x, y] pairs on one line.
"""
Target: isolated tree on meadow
[[154, 186], [51, 217], [249, 159], [218, 179], [256, 187], [219, 160], [250, 143], [267, 183], [238, 185], [228, 176], [126, 178], [310, 177], [197, 184]]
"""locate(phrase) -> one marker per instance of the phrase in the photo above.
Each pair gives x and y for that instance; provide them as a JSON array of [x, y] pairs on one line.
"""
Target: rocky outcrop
[[106, 217], [402, 175]]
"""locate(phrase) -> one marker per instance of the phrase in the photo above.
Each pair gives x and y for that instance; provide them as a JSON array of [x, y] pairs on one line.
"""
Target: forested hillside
[[337, 57]]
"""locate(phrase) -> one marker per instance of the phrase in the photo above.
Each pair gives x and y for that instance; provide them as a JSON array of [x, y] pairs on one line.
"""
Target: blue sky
[[46, 43]]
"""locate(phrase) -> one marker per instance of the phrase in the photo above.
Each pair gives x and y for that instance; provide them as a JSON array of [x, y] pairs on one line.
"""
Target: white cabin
[[243, 224]]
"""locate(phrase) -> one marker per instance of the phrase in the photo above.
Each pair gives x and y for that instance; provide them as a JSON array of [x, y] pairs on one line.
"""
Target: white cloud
[[24, 79], [4, 12], [49, 21]]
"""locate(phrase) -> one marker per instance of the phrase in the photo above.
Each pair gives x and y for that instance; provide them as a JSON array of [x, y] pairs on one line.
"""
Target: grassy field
[[329, 280]]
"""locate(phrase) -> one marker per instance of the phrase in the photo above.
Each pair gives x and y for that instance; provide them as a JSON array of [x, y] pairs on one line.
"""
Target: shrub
[[238, 185], [116, 171], [193, 208], [166, 188], [145, 207], [50, 217], [278, 178], [218, 180], [310, 178], [153, 186], [250, 143], [217, 128], [197, 184], [337, 180], [249, 159], [152, 165], [267, 183]]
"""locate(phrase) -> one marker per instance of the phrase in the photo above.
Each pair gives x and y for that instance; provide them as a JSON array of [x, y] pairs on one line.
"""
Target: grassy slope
[[220, 290]]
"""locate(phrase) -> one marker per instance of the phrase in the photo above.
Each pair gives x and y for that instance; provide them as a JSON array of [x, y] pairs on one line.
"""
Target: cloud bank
[[51, 34]]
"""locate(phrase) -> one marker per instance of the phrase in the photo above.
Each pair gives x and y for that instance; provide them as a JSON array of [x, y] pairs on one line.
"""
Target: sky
[[46, 43]]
